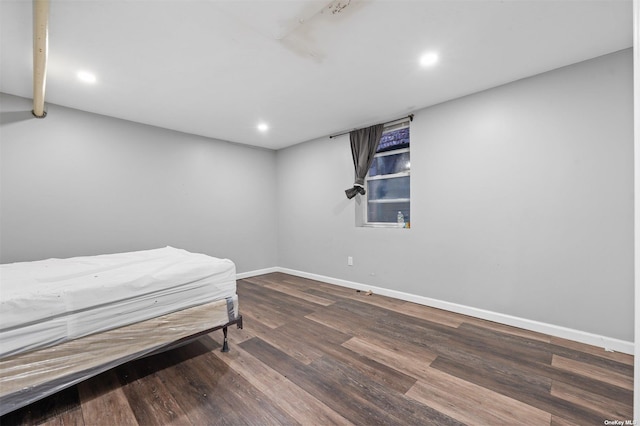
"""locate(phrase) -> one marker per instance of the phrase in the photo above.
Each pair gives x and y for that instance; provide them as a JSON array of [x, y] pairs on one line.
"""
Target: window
[[388, 180]]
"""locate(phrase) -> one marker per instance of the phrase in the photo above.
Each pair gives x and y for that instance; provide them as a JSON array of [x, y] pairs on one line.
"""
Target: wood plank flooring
[[316, 354]]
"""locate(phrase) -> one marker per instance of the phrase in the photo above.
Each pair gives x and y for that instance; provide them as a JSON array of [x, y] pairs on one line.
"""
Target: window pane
[[390, 164], [384, 189], [394, 139], [387, 212]]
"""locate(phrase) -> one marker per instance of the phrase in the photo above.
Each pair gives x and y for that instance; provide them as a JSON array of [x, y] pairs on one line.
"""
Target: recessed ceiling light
[[428, 59], [263, 127], [86, 77]]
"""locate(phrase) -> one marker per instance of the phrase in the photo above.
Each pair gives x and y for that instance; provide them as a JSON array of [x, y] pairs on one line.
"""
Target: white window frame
[[368, 178]]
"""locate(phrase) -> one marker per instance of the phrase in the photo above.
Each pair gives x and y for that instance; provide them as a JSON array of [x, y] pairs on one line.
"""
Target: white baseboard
[[607, 343], [257, 272]]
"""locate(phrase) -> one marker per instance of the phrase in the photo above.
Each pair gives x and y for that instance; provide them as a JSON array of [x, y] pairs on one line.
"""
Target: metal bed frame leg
[[225, 345]]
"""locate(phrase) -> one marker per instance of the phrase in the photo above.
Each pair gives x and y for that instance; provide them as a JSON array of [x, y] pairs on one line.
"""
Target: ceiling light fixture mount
[[338, 6]]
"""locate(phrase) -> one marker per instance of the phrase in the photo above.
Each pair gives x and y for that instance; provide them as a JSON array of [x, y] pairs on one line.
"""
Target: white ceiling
[[307, 68]]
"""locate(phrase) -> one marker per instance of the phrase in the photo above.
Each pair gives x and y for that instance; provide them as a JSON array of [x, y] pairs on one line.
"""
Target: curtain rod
[[410, 117]]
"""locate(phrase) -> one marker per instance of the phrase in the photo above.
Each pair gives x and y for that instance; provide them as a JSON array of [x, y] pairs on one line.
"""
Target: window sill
[[385, 225]]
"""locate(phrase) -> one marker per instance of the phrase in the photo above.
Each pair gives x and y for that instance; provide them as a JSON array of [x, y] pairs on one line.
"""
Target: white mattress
[[47, 302]]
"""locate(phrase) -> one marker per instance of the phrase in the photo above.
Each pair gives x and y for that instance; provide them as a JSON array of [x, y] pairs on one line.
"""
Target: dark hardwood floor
[[316, 354]]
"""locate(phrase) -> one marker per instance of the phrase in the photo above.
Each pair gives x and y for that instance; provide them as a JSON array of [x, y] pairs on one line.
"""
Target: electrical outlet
[[349, 261]]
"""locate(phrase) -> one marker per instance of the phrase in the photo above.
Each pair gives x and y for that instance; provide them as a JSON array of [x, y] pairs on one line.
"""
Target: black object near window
[[364, 143]]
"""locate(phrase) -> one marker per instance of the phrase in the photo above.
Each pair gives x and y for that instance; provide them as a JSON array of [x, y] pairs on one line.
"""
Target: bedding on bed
[[44, 303]]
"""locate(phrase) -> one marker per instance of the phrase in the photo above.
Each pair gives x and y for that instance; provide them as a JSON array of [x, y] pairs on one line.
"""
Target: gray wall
[[77, 183], [522, 198], [522, 203]]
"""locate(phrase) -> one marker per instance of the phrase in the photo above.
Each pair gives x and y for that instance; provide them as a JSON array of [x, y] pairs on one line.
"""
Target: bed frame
[[66, 364], [189, 339]]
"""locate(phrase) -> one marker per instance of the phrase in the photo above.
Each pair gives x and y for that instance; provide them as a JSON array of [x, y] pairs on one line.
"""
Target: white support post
[[40, 52]]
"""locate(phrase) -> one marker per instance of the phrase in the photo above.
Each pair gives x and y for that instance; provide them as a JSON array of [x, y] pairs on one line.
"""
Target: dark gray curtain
[[364, 143]]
